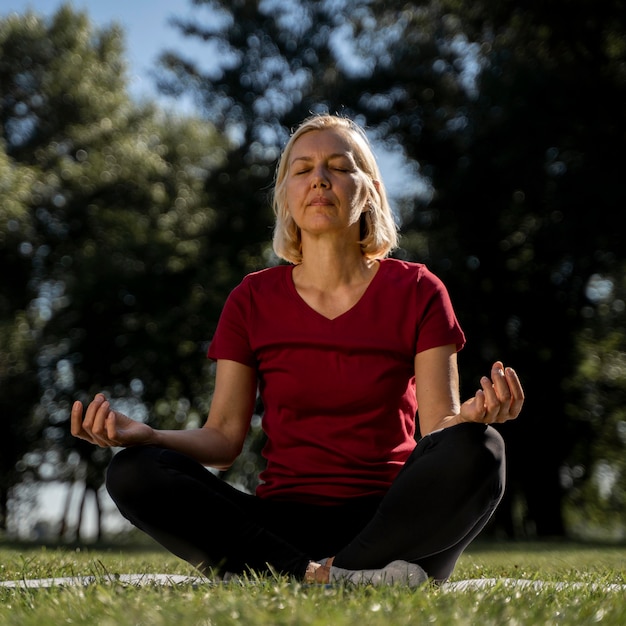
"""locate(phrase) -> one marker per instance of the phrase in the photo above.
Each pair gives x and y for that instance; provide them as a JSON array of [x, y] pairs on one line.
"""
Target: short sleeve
[[438, 324], [231, 339]]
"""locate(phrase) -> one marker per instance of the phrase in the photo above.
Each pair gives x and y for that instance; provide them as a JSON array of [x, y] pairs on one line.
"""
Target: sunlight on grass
[[280, 601]]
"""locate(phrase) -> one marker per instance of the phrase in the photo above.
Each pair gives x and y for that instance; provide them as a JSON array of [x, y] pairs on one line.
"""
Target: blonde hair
[[379, 234]]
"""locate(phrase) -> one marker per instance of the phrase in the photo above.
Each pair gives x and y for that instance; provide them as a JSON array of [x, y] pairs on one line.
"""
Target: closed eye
[[342, 165]]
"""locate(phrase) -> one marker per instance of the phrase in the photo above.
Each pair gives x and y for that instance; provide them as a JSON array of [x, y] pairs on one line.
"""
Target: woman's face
[[325, 191]]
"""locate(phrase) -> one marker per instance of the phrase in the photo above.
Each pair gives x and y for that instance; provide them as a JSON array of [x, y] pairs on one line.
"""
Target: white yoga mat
[[139, 580]]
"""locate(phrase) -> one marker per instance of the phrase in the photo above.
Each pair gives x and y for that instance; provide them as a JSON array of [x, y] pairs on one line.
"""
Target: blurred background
[[137, 148]]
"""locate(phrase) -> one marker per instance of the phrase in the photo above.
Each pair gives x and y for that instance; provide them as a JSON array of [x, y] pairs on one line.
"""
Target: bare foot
[[317, 573]]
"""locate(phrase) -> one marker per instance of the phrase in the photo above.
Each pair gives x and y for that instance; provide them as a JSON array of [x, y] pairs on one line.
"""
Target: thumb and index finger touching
[[503, 393], [92, 424]]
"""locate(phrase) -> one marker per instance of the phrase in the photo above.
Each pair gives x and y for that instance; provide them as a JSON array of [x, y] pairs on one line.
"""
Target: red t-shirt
[[338, 395]]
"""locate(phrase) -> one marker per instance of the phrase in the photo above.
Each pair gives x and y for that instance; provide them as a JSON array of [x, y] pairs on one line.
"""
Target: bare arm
[[499, 399], [216, 444]]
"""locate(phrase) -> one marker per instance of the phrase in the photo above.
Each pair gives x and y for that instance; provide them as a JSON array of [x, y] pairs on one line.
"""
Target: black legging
[[439, 502]]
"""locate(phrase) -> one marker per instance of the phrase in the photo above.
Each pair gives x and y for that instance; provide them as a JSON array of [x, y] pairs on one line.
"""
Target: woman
[[343, 345]]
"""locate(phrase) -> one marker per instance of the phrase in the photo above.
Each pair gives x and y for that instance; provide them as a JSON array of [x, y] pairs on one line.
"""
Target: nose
[[319, 181], [319, 178]]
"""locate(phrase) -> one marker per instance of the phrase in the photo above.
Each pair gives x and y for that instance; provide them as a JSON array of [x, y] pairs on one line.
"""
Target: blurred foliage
[[534, 196], [595, 474], [515, 117], [17, 341], [125, 228], [107, 231]]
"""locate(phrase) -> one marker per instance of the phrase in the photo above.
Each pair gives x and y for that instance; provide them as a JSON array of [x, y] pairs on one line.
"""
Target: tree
[[515, 117], [17, 344], [596, 471], [129, 236], [108, 223], [537, 161], [277, 63]]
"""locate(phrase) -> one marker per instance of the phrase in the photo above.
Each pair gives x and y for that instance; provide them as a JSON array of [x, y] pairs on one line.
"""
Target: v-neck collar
[[305, 305]]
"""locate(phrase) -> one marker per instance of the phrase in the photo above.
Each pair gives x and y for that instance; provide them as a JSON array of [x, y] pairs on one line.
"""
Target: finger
[[503, 391], [102, 412], [517, 392], [76, 421], [500, 383], [481, 407], [474, 409], [91, 411], [105, 435], [111, 428], [492, 403]]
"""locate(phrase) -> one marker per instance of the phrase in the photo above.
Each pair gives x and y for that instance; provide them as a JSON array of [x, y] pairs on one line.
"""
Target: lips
[[320, 201]]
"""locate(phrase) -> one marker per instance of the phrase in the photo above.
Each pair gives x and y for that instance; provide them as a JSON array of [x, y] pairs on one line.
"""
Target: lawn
[[587, 569]]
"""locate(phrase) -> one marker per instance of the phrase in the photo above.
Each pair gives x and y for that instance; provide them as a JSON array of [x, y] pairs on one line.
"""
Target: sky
[[147, 34], [146, 27]]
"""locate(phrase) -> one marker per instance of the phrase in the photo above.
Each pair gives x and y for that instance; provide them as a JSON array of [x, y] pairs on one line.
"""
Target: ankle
[[316, 573]]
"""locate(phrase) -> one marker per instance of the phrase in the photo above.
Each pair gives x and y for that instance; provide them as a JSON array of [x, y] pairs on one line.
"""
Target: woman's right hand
[[107, 428]]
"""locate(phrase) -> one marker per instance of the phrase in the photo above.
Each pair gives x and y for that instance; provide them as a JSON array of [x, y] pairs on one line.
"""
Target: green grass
[[279, 601]]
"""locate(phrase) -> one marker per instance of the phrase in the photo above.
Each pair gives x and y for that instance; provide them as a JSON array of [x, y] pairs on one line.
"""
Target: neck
[[328, 266], [332, 284]]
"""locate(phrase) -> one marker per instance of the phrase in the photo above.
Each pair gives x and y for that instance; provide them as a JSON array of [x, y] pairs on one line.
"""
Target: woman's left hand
[[499, 399]]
